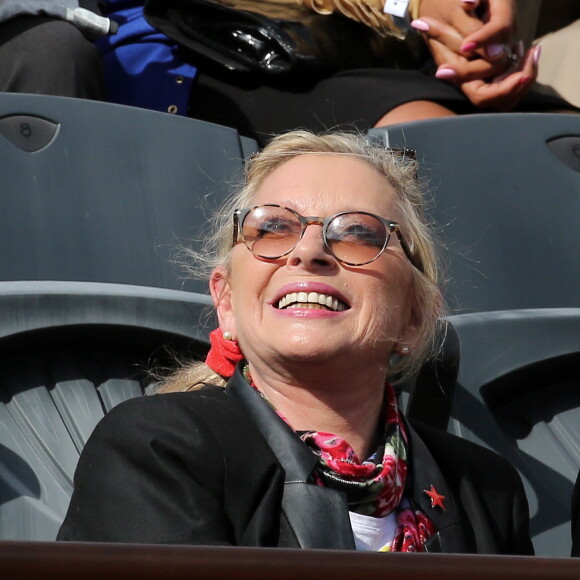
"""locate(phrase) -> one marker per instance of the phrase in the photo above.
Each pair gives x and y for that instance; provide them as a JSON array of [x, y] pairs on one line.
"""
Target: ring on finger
[[514, 53]]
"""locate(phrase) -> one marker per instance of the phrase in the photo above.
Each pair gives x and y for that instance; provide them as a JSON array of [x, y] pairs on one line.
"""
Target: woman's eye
[[276, 227], [361, 234]]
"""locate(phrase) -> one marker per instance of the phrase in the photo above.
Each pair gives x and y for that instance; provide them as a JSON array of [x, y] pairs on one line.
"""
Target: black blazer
[[218, 467], [576, 518]]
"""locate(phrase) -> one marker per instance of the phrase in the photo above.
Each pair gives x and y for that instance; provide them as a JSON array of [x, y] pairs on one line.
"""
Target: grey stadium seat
[[98, 192], [69, 352], [95, 200], [518, 393], [506, 191], [506, 203]]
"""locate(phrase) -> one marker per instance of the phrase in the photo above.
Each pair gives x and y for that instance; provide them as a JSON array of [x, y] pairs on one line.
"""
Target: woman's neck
[[346, 405]]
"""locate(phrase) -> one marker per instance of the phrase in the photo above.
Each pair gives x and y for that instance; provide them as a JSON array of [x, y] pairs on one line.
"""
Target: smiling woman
[[348, 168], [324, 277]]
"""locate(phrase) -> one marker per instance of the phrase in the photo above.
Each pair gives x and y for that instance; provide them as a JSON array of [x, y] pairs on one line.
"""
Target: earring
[[405, 349], [227, 335]]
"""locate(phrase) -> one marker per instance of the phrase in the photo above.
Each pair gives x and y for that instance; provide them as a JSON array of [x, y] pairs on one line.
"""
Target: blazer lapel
[[428, 477], [318, 516]]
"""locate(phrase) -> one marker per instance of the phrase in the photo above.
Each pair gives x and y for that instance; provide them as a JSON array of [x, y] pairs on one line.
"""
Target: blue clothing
[[143, 68]]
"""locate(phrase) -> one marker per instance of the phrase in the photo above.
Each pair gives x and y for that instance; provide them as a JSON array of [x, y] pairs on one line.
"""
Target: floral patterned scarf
[[376, 486]]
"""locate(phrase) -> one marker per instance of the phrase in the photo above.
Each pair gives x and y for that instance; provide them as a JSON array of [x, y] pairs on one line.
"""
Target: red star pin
[[436, 498]]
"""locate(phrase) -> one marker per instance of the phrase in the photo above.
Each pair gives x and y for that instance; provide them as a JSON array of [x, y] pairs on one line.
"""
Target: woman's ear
[[431, 307], [221, 293], [407, 339], [409, 335]]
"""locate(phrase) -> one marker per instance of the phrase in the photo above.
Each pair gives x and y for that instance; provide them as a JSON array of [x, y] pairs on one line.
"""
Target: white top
[[373, 534]]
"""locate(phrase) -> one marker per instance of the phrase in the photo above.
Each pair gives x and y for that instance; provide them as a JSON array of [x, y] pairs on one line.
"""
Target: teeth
[[311, 300]]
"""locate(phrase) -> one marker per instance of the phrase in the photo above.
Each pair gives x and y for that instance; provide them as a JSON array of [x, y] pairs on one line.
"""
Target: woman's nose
[[311, 251]]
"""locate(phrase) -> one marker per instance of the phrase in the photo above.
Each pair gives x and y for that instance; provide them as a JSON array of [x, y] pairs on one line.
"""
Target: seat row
[[98, 198]]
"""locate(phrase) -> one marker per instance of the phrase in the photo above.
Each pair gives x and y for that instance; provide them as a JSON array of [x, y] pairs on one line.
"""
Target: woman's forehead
[[327, 182]]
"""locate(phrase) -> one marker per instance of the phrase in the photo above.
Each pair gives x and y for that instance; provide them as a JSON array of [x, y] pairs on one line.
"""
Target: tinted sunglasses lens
[[270, 232], [356, 238]]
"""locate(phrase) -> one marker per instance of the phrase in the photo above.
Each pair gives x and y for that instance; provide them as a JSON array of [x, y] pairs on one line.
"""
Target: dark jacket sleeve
[[493, 495], [576, 518], [498, 498], [152, 472]]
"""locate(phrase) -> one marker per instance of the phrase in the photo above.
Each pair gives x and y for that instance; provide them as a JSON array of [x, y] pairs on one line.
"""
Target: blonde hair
[[400, 172]]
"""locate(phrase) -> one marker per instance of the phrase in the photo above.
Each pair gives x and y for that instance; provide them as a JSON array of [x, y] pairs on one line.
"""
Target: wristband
[[399, 10]]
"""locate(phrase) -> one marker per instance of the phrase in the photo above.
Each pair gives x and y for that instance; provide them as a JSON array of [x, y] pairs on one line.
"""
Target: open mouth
[[314, 300]]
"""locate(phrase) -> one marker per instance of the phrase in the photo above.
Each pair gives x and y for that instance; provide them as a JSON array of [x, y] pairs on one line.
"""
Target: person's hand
[[464, 39], [498, 30], [503, 93], [485, 26], [460, 15], [469, 28]]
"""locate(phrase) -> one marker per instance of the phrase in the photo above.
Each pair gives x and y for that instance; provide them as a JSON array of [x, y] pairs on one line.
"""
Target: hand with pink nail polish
[[499, 27], [472, 44], [469, 27], [445, 73], [444, 25]]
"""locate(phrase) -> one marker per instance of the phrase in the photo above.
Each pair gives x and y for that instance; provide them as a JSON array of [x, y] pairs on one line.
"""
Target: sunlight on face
[[307, 306]]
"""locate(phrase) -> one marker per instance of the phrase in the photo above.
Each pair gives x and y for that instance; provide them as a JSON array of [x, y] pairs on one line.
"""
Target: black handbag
[[274, 37]]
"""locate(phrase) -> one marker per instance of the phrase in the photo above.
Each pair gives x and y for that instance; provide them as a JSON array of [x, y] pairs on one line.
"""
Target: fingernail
[[537, 54], [520, 51], [420, 25], [494, 50], [525, 80], [469, 46], [445, 73]]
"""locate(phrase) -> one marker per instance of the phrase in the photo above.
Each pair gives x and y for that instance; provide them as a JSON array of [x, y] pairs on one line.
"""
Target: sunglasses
[[354, 238]]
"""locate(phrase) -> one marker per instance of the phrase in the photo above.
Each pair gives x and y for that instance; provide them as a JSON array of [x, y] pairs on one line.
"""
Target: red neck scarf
[[375, 487]]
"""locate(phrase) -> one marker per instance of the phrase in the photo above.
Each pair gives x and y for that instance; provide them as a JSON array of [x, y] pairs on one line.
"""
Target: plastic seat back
[[98, 192], [70, 352], [518, 393], [506, 202]]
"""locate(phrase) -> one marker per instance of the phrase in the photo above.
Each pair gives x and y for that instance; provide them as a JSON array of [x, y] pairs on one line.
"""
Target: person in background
[[559, 39], [46, 47], [324, 275], [478, 39], [472, 62]]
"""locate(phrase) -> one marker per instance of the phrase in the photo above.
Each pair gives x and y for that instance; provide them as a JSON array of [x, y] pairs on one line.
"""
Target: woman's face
[[376, 300]]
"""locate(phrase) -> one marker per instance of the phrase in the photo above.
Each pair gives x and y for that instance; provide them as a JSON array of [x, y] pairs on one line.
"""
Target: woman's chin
[[316, 348]]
